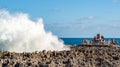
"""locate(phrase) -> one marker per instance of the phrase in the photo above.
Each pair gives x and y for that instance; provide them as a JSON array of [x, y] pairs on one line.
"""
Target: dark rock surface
[[78, 56]]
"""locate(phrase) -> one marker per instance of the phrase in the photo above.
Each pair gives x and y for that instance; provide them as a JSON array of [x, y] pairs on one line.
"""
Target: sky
[[71, 18]]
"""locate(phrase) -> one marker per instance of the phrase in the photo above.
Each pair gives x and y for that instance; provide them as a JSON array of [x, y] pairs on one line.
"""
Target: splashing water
[[20, 34]]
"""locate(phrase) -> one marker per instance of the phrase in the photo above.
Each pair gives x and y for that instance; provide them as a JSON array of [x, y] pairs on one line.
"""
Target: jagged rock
[[78, 56]]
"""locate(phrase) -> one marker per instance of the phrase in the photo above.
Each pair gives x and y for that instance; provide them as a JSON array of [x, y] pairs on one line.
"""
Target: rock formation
[[78, 56]]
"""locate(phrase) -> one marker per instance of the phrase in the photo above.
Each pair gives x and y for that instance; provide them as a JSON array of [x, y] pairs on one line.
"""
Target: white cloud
[[85, 29], [90, 17], [84, 20], [55, 9], [115, 1]]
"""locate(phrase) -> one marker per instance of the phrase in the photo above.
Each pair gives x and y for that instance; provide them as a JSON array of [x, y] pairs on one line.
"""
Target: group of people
[[99, 40]]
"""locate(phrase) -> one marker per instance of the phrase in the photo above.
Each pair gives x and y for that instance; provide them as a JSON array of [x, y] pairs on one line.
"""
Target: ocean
[[77, 41]]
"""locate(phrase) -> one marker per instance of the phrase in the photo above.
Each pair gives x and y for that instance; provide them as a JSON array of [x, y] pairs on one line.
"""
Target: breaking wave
[[18, 33]]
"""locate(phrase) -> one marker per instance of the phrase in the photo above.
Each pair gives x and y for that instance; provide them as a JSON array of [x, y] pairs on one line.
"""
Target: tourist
[[102, 40], [95, 41], [85, 42], [113, 42]]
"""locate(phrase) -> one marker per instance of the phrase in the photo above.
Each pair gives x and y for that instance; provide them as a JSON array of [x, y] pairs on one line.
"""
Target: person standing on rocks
[[102, 40], [99, 39], [113, 42], [84, 42]]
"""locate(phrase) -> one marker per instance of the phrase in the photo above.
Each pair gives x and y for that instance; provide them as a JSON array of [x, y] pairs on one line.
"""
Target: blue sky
[[72, 18]]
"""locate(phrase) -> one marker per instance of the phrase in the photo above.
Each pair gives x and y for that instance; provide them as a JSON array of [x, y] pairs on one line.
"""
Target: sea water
[[77, 41]]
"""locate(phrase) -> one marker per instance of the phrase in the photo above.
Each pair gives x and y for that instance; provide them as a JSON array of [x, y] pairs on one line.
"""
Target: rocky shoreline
[[78, 56]]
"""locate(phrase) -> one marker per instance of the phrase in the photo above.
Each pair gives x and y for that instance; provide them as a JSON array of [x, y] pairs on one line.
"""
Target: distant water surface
[[73, 41]]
